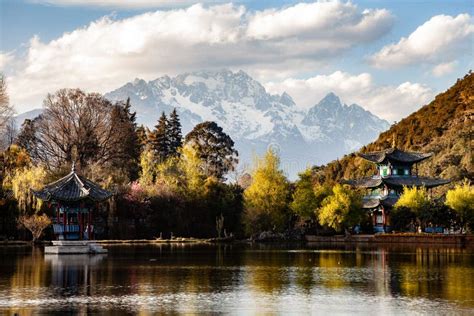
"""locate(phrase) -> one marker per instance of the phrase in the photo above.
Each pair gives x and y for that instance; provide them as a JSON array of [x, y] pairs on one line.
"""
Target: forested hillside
[[443, 127]]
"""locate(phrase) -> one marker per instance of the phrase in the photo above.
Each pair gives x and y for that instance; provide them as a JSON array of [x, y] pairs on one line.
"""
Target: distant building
[[395, 170]]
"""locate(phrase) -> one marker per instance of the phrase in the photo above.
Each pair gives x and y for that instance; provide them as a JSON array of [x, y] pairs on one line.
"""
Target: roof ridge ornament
[[73, 167]]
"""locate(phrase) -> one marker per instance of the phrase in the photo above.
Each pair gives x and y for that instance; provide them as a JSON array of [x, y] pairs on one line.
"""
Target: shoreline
[[409, 238]]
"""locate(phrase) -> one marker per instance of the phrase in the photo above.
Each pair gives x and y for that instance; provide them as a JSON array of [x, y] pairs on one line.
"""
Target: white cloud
[[5, 59], [109, 52], [440, 39], [125, 4], [388, 102], [444, 68], [326, 21]]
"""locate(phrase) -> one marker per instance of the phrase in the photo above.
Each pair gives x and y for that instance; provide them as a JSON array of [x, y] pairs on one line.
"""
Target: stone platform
[[74, 247]]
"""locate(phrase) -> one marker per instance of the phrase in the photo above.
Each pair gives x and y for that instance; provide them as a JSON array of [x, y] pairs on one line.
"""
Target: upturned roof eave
[[83, 189], [389, 154]]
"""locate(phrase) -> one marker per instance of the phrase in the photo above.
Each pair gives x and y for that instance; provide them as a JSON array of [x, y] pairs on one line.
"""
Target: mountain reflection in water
[[243, 279]]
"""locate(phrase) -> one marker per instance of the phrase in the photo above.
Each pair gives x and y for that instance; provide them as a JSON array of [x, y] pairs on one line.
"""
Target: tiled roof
[[414, 181], [396, 155], [389, 201], [72, 188], [370, 202], [396, 181], [368, 182], [373, 202]]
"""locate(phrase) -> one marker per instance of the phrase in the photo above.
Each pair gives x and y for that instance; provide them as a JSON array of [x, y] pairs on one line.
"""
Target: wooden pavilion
[[395, 169], [74, 199]]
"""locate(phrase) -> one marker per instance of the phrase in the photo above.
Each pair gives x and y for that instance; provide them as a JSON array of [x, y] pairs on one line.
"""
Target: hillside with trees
[[443, 127]]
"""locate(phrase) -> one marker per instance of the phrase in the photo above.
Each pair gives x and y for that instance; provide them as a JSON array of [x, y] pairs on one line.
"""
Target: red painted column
[[91, 217], [79, 219], [89, 225]]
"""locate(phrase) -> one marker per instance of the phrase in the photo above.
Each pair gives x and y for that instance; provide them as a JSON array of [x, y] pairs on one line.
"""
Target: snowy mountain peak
[[254, 118], [329, 99]]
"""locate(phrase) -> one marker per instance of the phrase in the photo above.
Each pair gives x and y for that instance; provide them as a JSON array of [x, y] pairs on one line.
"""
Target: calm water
[[239, 279]]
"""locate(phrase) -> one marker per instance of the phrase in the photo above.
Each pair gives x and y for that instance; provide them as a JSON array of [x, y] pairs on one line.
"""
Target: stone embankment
[[454, 239]]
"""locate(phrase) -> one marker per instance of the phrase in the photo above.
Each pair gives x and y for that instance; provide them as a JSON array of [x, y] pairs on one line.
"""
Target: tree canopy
[[341, 209], [214, 147], [461, 200], [266, 199], [304, 201], [75, 121]]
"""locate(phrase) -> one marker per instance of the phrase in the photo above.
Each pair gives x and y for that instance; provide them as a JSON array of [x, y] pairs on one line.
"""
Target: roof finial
[[73, 167], [394, 141]]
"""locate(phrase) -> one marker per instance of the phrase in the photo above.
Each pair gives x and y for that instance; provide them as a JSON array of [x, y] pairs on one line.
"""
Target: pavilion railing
[[61, 229]]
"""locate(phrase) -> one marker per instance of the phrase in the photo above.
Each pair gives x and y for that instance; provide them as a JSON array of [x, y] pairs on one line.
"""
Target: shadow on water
[[239, 278]]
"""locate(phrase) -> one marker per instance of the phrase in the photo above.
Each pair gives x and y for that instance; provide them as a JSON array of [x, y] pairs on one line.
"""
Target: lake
[[239, 279]]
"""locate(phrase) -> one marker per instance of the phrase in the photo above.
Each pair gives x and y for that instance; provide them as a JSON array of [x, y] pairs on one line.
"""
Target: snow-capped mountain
[[254, 118]]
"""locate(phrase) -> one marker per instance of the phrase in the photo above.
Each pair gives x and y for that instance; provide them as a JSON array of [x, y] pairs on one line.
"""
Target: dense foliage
[[461, 200], [342, 209], [214, 147], [267, 198]]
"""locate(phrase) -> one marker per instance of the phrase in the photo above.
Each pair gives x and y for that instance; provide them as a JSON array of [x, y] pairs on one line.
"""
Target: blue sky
[[304, 48]]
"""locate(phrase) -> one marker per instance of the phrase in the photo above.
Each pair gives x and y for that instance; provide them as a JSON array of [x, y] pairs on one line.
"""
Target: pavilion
[[395, 169], [74, 199]]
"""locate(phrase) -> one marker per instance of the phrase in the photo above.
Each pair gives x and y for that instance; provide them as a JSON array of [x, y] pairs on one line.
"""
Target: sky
[[390, 57]]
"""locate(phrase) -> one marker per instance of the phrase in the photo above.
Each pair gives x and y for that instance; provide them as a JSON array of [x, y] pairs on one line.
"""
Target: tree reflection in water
[[238, 278]]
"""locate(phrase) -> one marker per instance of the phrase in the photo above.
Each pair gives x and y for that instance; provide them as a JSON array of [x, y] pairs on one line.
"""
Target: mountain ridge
[[254, 118]]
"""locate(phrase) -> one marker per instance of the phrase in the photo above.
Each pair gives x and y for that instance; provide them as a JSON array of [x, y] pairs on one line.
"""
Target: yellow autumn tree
[[417, 201], [14, 158], [169, 176], [461, 200], [342, 209], [36, 224], [23, 182], [266, 199], [192, 169], [413, 198], [147, 167]]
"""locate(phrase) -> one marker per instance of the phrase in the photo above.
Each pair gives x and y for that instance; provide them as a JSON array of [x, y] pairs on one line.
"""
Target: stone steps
[[74, 247]]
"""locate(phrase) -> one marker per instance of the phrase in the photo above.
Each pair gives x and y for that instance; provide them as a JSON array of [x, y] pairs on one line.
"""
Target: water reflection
[[73, 274], [239, 278]]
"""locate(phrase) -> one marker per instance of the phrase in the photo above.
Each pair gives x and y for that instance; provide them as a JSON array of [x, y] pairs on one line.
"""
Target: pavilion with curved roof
[[74, 199], [395, 169]]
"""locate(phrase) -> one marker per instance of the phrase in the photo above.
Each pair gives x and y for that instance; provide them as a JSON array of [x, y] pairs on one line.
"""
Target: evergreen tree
[[214, 147], [175, 136], [142, 136], [26, 139], [126, 149], [159, 138]]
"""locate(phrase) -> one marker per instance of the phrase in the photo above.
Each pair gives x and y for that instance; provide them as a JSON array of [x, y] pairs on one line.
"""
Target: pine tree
[[142, 136], [159, 139], [27, 137], [126, 149], [175, 136]]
